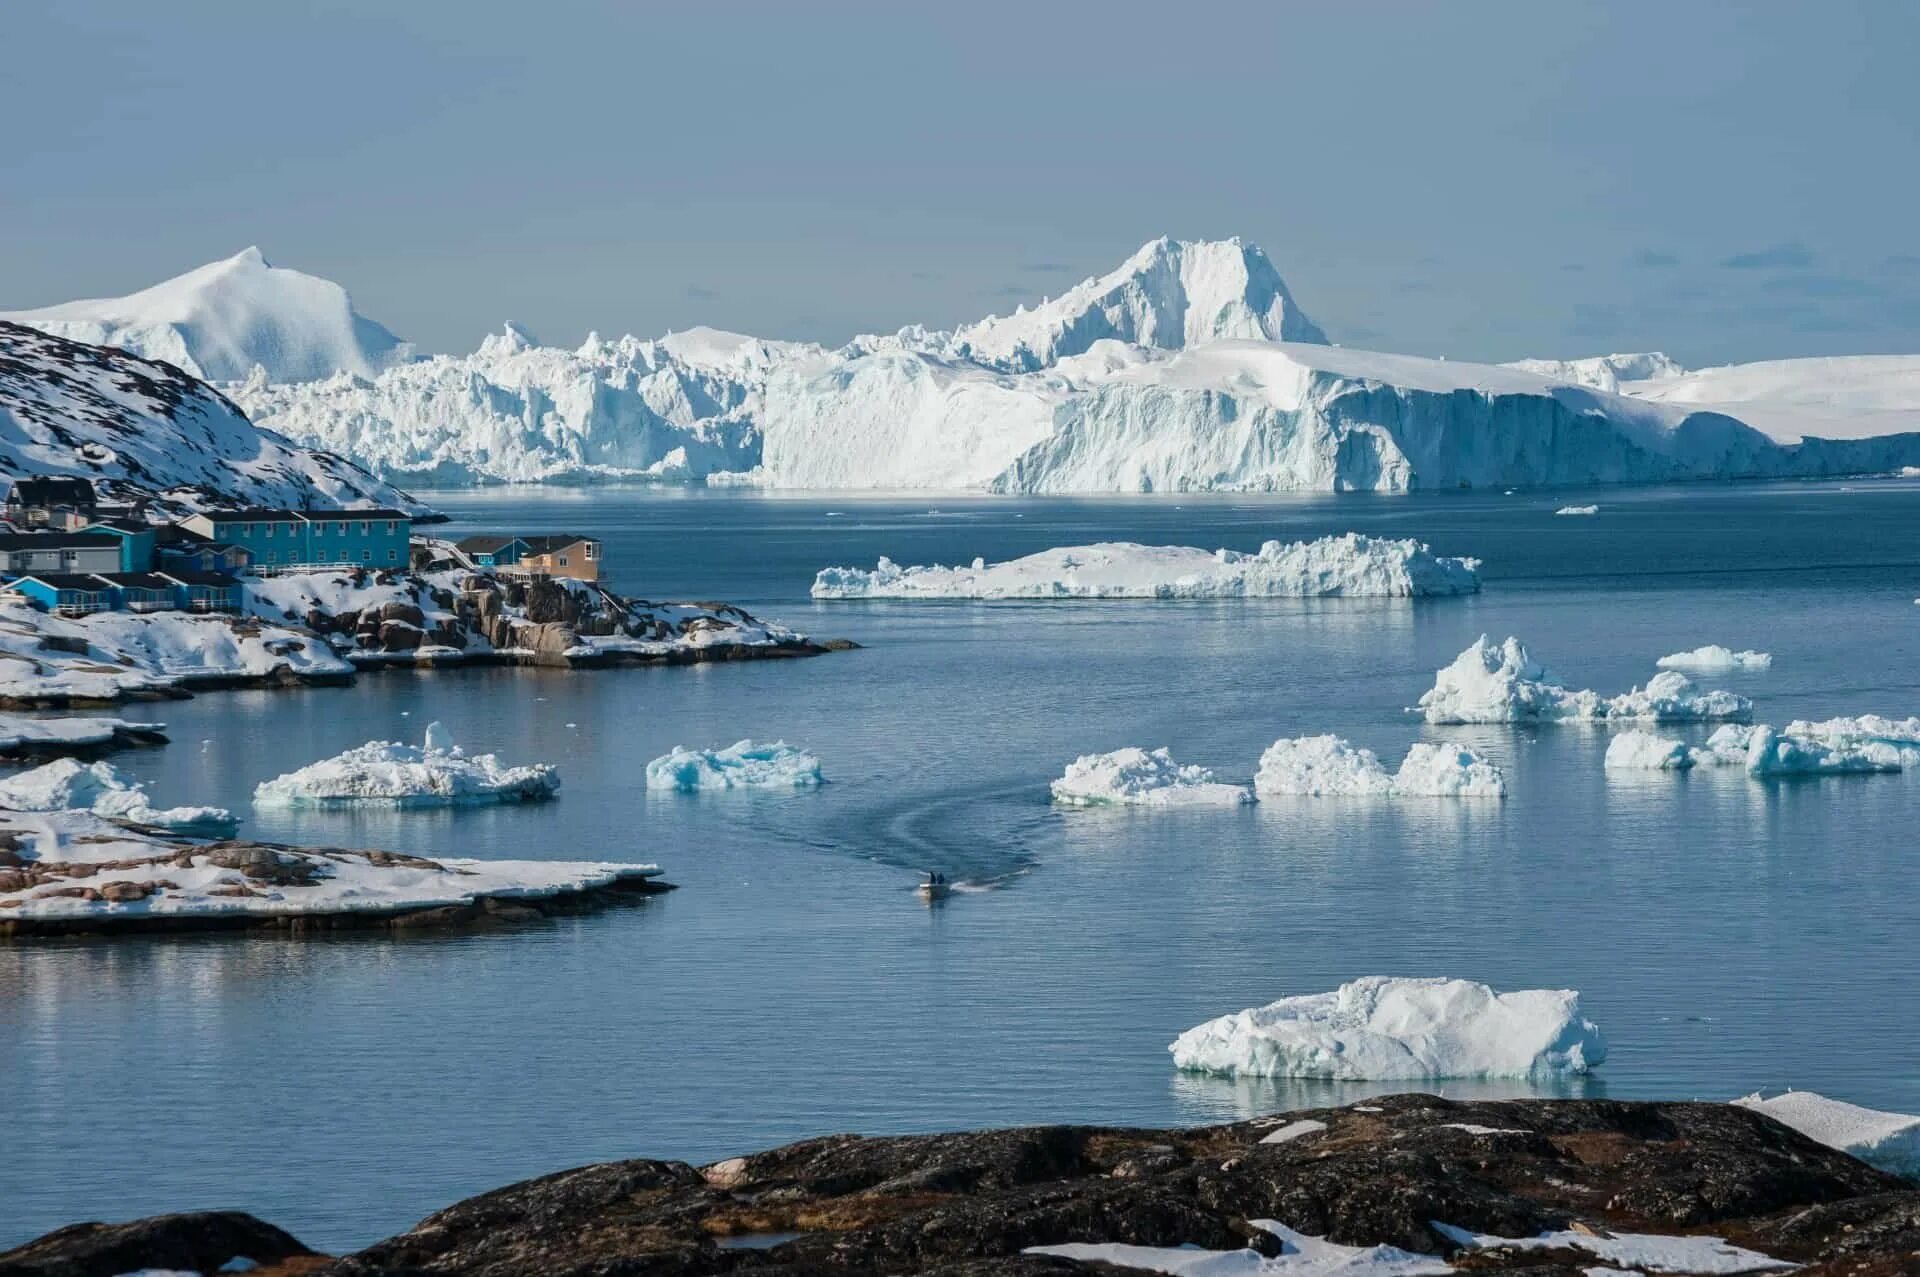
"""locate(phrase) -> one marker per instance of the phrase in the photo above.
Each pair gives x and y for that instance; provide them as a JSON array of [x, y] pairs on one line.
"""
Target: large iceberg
[[1187, 368], [67, 784], [1890, 1141], [1386, 1029], [1351, 565], [741, 765], [1143, 778], [1329, 765], [435, 773], [1502, 683], [1715, 658]]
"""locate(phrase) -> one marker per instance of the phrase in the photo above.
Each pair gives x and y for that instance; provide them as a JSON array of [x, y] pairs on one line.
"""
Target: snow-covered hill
[[1189, 367], [218, 322], [67, 408]]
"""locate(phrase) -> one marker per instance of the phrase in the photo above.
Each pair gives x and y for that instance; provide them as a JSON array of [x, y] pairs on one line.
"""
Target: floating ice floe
[[741, 765], [1890, 1141], [1300, 1256], [1713, 657], [435, 773], [1642, 1252], [1143, 778], [1577, 509], [67, 784], [1328, 765], [1637, 750], [1502, 683], [1340, 565], [1386, 1028]]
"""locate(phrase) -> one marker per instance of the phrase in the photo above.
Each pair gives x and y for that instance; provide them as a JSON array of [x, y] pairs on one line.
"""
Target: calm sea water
[[1729, 935]]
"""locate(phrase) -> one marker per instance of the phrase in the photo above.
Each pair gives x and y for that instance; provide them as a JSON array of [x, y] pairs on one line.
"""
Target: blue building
[[492, 551], [302, 540], [139, 541], [78, 594]]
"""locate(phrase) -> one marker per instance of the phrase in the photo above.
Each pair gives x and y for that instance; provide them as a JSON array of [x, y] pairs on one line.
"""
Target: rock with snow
[[1890, 1141], [741, 765], [436, 773], [1715, 659], [1502, 683], [1644, 751], [221, 321], [1349, 565], [1384, 1028], [22, 736], [1300, 1256], [1143, 778], [66, 784], [138, 427], [1328, 765], [1577, 509], [1697, 1253]]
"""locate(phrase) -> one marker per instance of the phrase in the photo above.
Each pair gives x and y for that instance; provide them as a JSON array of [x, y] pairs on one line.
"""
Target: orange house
[[570, 556]]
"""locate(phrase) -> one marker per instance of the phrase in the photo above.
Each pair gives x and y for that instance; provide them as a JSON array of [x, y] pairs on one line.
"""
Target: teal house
[[302, 540], [139, 541]]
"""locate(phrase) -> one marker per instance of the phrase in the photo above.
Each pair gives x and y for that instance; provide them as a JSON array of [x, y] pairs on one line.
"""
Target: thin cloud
[[700, 294], [1048, 268], [1573, 266], [1779, 257], [1653, 259], [1822, 286]]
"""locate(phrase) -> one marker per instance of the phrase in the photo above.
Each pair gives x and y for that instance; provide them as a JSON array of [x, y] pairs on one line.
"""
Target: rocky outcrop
[[1383, 1171], [203, 1241]]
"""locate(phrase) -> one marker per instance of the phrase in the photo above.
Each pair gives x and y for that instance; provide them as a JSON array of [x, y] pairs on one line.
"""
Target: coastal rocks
[[194, 1242], [1411, 1171]]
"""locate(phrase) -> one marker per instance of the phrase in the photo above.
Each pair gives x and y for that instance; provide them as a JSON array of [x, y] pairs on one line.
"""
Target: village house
[[61, 552], [569, 556], [59, 504], [279, 541], [81, 594]]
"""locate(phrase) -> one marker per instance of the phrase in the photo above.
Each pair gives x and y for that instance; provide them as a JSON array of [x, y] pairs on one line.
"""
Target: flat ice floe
[[1715, 658], [1144, 778], [436, 773], [66, 784], [1328, 765], [1890, 1141], [1577, 509], [1386, 1028], [1502, 683], [741, 765], [1300, 1256], [1350, 565]]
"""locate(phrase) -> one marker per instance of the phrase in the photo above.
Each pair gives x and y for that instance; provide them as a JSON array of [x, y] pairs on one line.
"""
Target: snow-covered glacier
[[223, 320], [1190, 367], [1350, 565]]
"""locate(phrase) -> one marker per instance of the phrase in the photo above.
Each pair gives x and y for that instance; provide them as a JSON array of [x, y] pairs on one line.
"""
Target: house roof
[[262, 514], [486, 544], [120, 525], [194, 576], [134, 580], [548, 544], [58, 541], [51, 490], [61, 581]]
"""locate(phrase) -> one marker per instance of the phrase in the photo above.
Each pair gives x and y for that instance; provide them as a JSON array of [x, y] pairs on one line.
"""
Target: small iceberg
[[1502, 683], [1319, 766], [67, 785], [1349, 565], [1383, 1028], [741, 765], [1714, 658], [1567, 510], [1643, 751], [1143, 778], [1889, 1141], [435, 773]]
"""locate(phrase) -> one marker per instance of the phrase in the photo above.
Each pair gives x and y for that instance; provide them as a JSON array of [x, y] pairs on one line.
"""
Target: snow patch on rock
[[1890, 1141], [1300, 1256]]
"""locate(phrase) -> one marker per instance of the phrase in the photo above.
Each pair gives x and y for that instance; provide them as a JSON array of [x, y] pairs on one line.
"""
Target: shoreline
[[1536, 1186]]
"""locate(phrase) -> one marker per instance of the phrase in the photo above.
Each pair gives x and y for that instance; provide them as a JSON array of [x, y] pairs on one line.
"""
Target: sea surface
[[1728, 935]]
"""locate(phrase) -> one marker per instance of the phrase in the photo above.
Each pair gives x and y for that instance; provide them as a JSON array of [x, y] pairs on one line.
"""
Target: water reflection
[[1201, 1098]]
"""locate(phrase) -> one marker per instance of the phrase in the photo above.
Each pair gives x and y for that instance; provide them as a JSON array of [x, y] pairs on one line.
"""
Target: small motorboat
[[936, 887]]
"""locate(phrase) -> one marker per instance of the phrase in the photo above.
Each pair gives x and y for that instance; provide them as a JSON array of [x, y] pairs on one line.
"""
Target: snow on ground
[[1329, 765], [1143, 778], [435, 773], [67, 783], [1338, 565], [1637, 750], [78, 866], [1293, 1130], [1645, 1252], [1578, 509], [1300, 1256], [1502, 683], [226, 318], [1386, 1028], [1715, 658], [21, 734], [1890, 1141], [741, 765]]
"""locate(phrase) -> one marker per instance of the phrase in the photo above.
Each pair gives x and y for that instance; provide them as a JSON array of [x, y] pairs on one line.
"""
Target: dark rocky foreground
[[967, 1204]]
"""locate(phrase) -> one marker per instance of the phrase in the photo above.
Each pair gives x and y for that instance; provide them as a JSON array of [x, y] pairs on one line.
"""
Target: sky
[[1482, 180]]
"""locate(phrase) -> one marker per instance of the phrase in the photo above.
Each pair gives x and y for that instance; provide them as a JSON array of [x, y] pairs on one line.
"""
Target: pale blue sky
[[1481, 180]]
